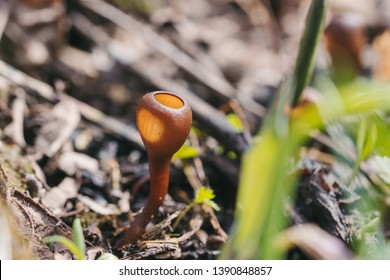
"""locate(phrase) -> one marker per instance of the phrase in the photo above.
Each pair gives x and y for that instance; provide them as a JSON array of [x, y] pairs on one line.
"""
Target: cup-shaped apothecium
[[164, 120]]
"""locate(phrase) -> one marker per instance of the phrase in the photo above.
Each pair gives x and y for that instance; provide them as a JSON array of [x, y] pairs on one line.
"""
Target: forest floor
[[71, 74]]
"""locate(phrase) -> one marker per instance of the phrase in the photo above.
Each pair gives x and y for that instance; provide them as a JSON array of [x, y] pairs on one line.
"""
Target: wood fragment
[[156, 230], [64, 114], [15, 129], [153, 248], [317, 202], [98, 208], [26, 82], [111, 124], [35, 221]]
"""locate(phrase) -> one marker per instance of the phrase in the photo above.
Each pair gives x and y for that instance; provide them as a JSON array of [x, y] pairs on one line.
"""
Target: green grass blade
[[253, 199], [69, 244], [264, 181], [78, 236], [304, 64], [367, 136]]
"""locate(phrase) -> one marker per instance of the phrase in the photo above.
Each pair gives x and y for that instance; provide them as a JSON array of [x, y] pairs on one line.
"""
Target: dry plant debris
[[71, 73]]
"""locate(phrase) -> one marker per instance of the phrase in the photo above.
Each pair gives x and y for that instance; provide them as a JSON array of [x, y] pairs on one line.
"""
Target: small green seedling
[[77, 245], [235, 121], [204, 196], [186, 152]]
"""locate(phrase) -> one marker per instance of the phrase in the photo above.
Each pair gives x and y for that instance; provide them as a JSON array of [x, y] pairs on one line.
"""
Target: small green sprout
[[186, 152], [235, 121], [204, 196], [77, 245]]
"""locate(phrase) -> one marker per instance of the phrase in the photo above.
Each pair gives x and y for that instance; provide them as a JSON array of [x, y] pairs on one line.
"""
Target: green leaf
[[235, 121], [202, 196], [205, 196], [78, 235], [304, 64], [69, 244], [196, 132], [186, 152], [366, 139], [231, 155]]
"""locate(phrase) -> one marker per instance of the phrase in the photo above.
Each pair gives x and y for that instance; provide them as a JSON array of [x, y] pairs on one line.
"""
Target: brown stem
[[159, 177], [164, 121]]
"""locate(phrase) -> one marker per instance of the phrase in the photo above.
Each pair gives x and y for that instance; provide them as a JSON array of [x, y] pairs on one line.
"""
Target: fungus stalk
[[164, 121]]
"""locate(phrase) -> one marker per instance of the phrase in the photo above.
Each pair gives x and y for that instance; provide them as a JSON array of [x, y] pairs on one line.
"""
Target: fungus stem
[[164, 121]]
